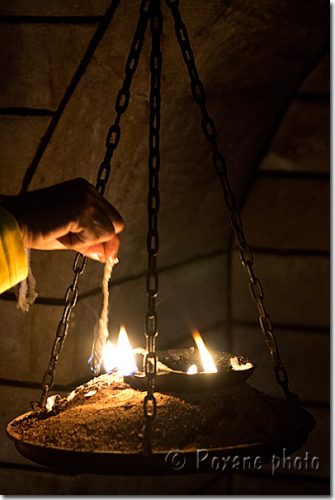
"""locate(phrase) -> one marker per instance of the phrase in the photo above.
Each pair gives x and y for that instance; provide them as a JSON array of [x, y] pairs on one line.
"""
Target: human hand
[[70, 215]]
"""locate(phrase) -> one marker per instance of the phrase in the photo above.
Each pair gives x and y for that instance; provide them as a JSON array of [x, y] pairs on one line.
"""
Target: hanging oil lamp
[[180, 400]]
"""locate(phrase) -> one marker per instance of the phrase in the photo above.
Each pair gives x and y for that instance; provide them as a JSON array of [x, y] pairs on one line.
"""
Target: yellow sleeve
[[13, 258]]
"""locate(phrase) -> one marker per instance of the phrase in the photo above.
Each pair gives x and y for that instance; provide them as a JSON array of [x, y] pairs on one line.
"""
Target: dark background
[[266, 67]]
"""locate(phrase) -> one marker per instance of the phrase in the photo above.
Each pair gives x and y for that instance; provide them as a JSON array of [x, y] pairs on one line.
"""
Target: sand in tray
[[106, 414]]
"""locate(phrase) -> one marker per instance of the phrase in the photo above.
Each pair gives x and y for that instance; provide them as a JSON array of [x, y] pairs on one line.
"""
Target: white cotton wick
[[90, 393], [238, 365], [102, 334], [51, 402]]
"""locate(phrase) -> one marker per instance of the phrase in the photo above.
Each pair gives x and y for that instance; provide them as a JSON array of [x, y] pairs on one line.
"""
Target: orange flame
[[206, 358]]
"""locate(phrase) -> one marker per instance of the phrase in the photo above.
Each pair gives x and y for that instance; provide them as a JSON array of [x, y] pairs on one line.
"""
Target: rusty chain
[[112, 141], [151, 326], [246, 256]]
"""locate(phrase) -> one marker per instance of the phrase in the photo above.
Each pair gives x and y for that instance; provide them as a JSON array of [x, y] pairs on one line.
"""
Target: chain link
[[71, 297], [112, 141], [209, 131], [151, 324], [123, 96]]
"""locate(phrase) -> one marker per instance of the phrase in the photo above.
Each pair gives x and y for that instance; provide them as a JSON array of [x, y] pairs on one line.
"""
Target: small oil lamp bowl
[[174, 374]]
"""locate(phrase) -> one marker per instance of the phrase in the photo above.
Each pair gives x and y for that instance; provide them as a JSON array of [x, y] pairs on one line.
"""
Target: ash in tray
[[106, 414]]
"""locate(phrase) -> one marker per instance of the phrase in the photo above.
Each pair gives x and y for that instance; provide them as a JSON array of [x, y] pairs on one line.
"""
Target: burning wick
[[125, 356], [120, 358], [237, 365], [206, 358], [193, 369], [101, 336], [109, 356]]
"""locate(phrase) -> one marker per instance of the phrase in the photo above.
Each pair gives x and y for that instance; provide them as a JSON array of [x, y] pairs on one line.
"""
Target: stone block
[[158, 485], [47, 482], [19, 139], [258, 485], [290, 214], [302, 141], [26, 342], [38, 61], [194, 296], [54, 8], [15, 342], [296, 289], [36, 482], [305, 355], [53, 272]]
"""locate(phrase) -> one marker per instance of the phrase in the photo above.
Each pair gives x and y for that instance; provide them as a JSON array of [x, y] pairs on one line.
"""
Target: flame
[[193, 369], [109, 356], [206, 358], [125, 357], [120, 357]]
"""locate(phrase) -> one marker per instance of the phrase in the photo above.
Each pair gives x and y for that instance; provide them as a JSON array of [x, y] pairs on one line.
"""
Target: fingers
[[105, 221], [106, 209], [111, 248], [96, 250], [94, 231], [102, 251], [114, 216], [73, 215]]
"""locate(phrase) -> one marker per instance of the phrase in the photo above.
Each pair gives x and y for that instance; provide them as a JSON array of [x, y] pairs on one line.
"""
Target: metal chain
[[123, 96], [112, 141], [71, 296], [209, 131], [151, 326]]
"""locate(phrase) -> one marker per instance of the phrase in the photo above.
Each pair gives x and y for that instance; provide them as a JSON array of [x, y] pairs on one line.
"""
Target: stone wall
[[287, 215], [272, 112]]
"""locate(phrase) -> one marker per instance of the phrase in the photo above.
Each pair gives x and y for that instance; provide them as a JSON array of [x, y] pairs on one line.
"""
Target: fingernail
[[96, 256]]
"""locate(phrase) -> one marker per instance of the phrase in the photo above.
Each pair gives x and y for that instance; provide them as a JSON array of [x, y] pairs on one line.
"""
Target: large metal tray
[[248, 456]]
